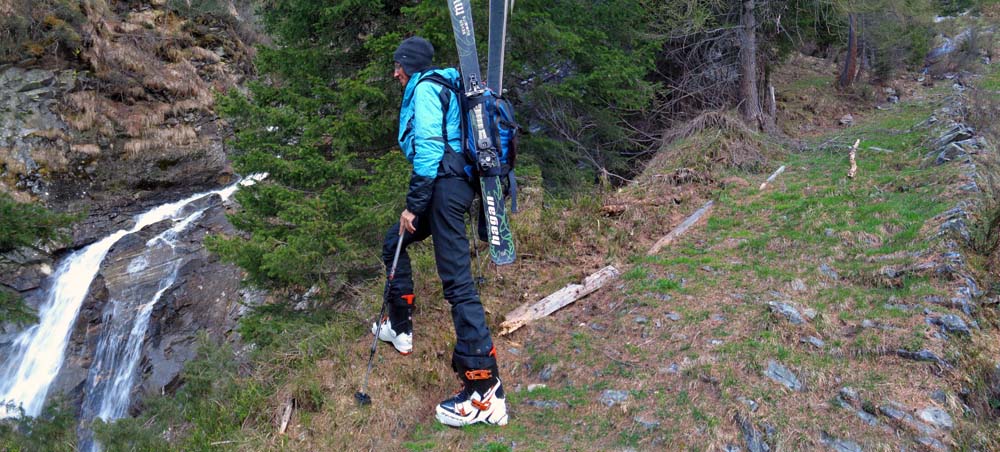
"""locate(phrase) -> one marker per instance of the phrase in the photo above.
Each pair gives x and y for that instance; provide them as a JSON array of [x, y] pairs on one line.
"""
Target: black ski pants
[[445, 221]]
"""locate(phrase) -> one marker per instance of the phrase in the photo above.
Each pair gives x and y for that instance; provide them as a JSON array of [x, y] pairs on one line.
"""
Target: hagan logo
[[491, 215]]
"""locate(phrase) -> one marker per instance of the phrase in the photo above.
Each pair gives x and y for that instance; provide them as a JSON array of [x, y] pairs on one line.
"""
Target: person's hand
[[406, 222]]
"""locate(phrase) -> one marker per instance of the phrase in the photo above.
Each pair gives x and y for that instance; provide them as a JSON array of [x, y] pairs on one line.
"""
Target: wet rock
[[814, 341], [788, 311], [784, 376], [839, 445], [611, 397], [937, 418]]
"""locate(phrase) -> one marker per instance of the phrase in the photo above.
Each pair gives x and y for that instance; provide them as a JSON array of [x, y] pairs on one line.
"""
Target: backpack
[[500, 125]]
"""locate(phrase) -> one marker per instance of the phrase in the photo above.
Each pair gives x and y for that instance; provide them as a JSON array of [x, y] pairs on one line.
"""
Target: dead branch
[[854, 164], [681, 229], [773, 176]]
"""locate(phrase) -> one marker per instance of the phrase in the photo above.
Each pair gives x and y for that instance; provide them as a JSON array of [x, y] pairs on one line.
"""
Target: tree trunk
[[749, 97], [850, 71]]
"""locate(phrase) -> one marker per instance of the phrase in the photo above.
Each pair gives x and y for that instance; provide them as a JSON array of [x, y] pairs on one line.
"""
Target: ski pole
[[362, 395]]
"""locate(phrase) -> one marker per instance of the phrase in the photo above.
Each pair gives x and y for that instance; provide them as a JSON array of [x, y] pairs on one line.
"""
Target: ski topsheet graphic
[[478, 98]]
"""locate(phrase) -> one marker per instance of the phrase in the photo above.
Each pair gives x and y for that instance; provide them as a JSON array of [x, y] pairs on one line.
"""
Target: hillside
[[820, 313]]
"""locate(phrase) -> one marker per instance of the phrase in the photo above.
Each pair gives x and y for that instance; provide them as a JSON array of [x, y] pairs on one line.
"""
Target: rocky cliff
[[125, 123]]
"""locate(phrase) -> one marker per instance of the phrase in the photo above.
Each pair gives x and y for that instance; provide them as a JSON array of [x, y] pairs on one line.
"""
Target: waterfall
[[38, 352]]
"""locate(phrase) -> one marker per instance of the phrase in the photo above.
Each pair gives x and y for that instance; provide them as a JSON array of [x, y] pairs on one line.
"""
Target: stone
[[931, 443], [937, 417], [731, 448], [829, 272], [784, 376], [839, 445], [673, 368], [546, 404], [753, 438], [788, 311], [798, 285], [597, 327], [718, 318], [846, 120], [611, 397], [749, 403], [849, 394], [893, 411], [546, 373], [922, 355], [814, 341], [952, 324], [641, 319], [950, 153], [866, 417], [535, 386], [939, 396], [673, 316]]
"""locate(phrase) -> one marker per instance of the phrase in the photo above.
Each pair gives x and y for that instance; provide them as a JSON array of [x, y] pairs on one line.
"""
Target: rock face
[[126, 126], [205, 296]]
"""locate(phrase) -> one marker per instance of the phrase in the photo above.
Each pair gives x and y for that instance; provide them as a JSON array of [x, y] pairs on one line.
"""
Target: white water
[[38, 352]]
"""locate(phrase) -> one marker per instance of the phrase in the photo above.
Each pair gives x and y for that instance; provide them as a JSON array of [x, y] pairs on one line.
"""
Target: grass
[[756, 247]]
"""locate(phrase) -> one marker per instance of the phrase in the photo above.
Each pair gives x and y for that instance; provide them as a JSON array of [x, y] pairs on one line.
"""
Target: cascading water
[[38, 352]]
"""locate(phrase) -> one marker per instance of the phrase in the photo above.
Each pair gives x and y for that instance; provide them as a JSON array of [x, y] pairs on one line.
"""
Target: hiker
[[440, 193]]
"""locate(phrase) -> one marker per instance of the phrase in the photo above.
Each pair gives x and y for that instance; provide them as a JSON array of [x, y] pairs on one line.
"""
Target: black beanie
[[414, 54]]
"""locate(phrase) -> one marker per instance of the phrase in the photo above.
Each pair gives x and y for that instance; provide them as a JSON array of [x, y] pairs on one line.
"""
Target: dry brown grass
[[713, 140]]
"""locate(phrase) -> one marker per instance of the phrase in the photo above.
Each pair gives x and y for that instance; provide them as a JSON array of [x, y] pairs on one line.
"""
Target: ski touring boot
[[398, 331], [482, 399]]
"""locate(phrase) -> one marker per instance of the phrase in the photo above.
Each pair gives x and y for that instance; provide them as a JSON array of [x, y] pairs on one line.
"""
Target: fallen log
[[773, 177], [681, 229], [286, 415], [560, 298]]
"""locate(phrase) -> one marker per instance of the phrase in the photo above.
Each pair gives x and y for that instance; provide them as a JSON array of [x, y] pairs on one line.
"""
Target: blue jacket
[[428, 136]]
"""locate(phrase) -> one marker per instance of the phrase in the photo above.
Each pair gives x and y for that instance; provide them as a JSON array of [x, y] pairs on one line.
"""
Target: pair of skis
[[494, 205]]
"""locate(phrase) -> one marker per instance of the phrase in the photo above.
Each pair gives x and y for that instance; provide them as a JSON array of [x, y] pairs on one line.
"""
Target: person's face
[[399, 74]]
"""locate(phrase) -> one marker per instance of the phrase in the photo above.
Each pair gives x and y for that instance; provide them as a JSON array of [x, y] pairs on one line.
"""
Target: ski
[[501, 240], [499, 10], [465, 41]]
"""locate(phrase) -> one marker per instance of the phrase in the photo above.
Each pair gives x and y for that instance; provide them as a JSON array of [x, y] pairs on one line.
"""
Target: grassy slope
[[756, 247]]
